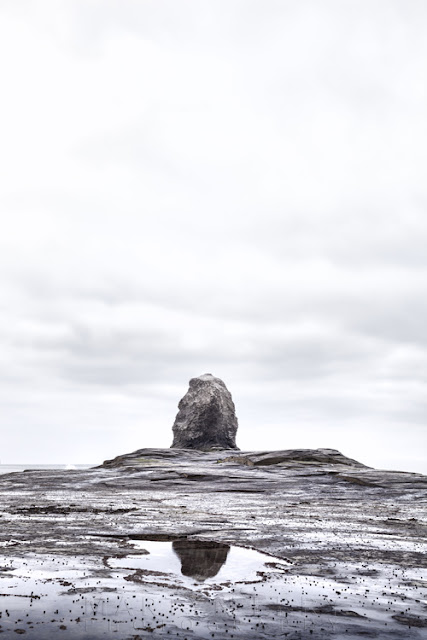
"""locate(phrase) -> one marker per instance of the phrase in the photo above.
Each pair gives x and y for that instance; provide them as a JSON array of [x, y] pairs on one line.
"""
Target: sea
[[13, 468]]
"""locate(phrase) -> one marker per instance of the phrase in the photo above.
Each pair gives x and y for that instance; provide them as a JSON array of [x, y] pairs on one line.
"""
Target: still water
[[195, 562]]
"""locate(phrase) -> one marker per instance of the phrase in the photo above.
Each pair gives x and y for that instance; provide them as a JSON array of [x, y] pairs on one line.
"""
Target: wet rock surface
[[206, 418], [343, 548]]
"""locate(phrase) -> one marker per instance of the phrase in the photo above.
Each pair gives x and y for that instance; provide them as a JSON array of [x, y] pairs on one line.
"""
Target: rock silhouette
[[206, 419], [200, 559]]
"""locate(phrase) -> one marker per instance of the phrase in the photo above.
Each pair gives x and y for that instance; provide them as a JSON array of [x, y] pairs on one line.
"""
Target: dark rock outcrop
[[206, 419]]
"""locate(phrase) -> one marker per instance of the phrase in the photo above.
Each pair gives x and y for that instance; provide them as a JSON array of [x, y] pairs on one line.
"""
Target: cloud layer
[[234, 187]]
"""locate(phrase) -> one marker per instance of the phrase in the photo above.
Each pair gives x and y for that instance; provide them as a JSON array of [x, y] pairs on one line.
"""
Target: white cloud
[[226, 186]]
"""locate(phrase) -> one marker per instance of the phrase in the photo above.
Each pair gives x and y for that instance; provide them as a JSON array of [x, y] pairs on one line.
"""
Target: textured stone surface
[[206, 418], [351, 539]]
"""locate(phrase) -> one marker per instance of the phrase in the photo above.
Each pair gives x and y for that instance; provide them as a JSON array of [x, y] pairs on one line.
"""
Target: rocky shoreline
[[323, 524]]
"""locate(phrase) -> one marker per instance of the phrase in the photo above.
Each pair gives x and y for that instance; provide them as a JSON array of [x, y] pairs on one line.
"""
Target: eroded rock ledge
[[144, 457]]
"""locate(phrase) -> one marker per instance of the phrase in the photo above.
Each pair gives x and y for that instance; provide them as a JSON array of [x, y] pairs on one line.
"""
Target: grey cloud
[[101, 352]]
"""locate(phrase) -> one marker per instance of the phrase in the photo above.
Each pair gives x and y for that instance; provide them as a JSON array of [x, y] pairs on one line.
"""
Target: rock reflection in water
[[200, 559]]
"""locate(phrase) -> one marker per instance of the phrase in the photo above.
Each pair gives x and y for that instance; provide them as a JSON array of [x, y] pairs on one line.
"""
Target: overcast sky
[[233, 187]]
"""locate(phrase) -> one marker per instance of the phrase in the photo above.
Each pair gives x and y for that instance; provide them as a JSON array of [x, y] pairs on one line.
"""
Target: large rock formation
[[206, 418]]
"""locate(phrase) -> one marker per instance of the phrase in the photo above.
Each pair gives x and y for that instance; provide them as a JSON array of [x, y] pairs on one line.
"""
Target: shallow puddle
[[201, 590], [196, 561]]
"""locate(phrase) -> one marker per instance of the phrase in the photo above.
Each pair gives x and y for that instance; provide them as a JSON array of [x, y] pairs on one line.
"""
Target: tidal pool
[[202, 589], [200, 561]]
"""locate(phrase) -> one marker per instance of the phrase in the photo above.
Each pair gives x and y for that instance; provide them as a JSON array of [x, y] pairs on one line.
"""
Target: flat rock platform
[[173, 543]]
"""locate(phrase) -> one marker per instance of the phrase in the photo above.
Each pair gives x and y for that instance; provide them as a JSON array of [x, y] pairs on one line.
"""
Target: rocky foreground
[[190, 544]]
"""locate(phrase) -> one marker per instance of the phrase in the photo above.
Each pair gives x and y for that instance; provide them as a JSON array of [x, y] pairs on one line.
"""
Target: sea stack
[[206, 419]]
